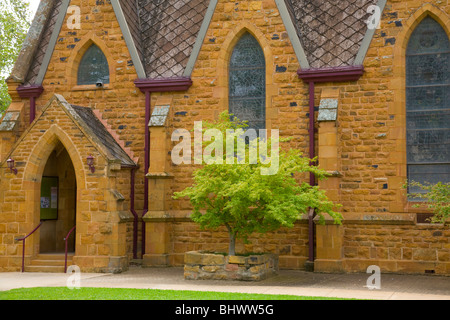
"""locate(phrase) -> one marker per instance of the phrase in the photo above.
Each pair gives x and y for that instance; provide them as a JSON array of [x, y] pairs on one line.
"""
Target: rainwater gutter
[[32, 92], [133, 169], [313, 76], [147, 86], [133, 211]]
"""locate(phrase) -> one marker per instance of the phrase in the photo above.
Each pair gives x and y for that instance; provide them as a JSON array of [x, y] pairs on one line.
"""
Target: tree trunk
[[232, 246]]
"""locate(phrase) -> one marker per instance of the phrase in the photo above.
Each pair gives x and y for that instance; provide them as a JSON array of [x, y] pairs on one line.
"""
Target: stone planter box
[[209, 266]]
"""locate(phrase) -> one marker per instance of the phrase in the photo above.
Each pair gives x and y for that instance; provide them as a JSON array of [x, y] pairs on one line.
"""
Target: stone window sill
[[91, 87]]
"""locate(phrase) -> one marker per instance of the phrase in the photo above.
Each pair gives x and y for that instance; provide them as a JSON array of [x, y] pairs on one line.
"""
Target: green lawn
[[63, 293]]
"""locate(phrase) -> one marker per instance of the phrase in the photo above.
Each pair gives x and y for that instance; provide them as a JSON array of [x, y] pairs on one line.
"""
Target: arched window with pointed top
[[93, 67], [428, 104], [247, 82]]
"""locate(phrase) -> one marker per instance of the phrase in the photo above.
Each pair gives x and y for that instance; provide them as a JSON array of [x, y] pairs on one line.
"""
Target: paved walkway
[[393, 286]]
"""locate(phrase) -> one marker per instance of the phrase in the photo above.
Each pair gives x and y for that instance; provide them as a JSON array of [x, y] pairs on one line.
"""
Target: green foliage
[[5, 99], [243, 200], [14, 24], [435, 197], [64, 293]]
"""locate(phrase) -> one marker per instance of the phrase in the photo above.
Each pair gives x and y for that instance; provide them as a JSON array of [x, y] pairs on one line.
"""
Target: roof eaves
[[95, 130], [88, 132]]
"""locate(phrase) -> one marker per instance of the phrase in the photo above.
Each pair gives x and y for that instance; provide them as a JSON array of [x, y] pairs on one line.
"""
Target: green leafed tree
[[435, 197], [242, 199], [14, 25]]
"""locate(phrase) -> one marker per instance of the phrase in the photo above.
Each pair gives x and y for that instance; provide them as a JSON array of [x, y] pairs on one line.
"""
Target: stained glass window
[[428, 104], [247, 82], [93, 67]]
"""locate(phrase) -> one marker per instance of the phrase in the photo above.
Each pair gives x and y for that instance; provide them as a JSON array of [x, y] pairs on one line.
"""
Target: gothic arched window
[[428, 104], [93, 67], [247, 82]]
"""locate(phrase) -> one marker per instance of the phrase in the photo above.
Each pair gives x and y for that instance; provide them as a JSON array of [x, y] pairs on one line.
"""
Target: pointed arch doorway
[[58, 198]]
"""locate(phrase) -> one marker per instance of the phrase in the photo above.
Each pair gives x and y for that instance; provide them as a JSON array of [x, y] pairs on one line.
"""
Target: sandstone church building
[[100, 86]]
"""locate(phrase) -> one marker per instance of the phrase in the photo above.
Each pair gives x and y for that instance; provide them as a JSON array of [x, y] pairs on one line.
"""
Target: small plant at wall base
[[435, 197], [243, 200]]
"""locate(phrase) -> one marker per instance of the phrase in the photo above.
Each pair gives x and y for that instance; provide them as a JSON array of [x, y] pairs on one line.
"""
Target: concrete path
[[393, 286]]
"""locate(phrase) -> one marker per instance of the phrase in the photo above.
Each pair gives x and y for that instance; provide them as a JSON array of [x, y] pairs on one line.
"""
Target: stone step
[[46, 269], [53, 256], [39, 262], [49, 262]]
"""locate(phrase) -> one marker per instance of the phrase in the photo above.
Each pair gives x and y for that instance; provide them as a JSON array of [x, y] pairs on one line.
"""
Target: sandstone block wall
[[206, 266], [102, 218], [366, 145], [421, 248]]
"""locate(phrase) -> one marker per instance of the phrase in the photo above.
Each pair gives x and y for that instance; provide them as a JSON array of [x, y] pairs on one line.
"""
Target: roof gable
[[169, 31], [331, 32], [92, 127], [35, 44], [164, 37], [44, 42], [89, 122]]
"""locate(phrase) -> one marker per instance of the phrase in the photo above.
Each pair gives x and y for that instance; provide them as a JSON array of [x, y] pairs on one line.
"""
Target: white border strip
[[292, 32], [128, 39], [52, 42], [200, 38], [359, 60]]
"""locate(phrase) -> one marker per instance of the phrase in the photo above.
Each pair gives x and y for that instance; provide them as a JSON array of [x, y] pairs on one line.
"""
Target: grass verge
[[63, 293]]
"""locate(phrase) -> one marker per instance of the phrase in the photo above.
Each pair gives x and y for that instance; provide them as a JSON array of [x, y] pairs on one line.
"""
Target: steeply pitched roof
[[331, 32], [102, 135], [130, 11], [104, 139], [162, 34], [35, 44], [169, 30], [43, 43]]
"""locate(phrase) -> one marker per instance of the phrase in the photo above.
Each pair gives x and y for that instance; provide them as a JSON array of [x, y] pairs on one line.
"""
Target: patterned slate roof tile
[[165, 31], [102, 134], [33, 71], [130, 10], [330, 31], [169, 30]]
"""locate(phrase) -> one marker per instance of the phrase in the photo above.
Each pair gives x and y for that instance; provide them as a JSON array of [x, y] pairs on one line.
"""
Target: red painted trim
[[164, 85], [148, 86], [312, 76], [311, 131], [133, 211], [312, 176], [32, 92], [146, 164], [338, 74]]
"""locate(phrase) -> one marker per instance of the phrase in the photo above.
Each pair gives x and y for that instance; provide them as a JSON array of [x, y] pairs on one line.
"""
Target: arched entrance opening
[[58, 196]]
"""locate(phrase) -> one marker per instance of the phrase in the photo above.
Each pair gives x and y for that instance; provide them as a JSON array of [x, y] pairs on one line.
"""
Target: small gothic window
[[428, 104], [247, 82], [93, 67]]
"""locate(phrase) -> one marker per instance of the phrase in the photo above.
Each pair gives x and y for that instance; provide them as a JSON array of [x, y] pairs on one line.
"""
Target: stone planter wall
[[209, 266]]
